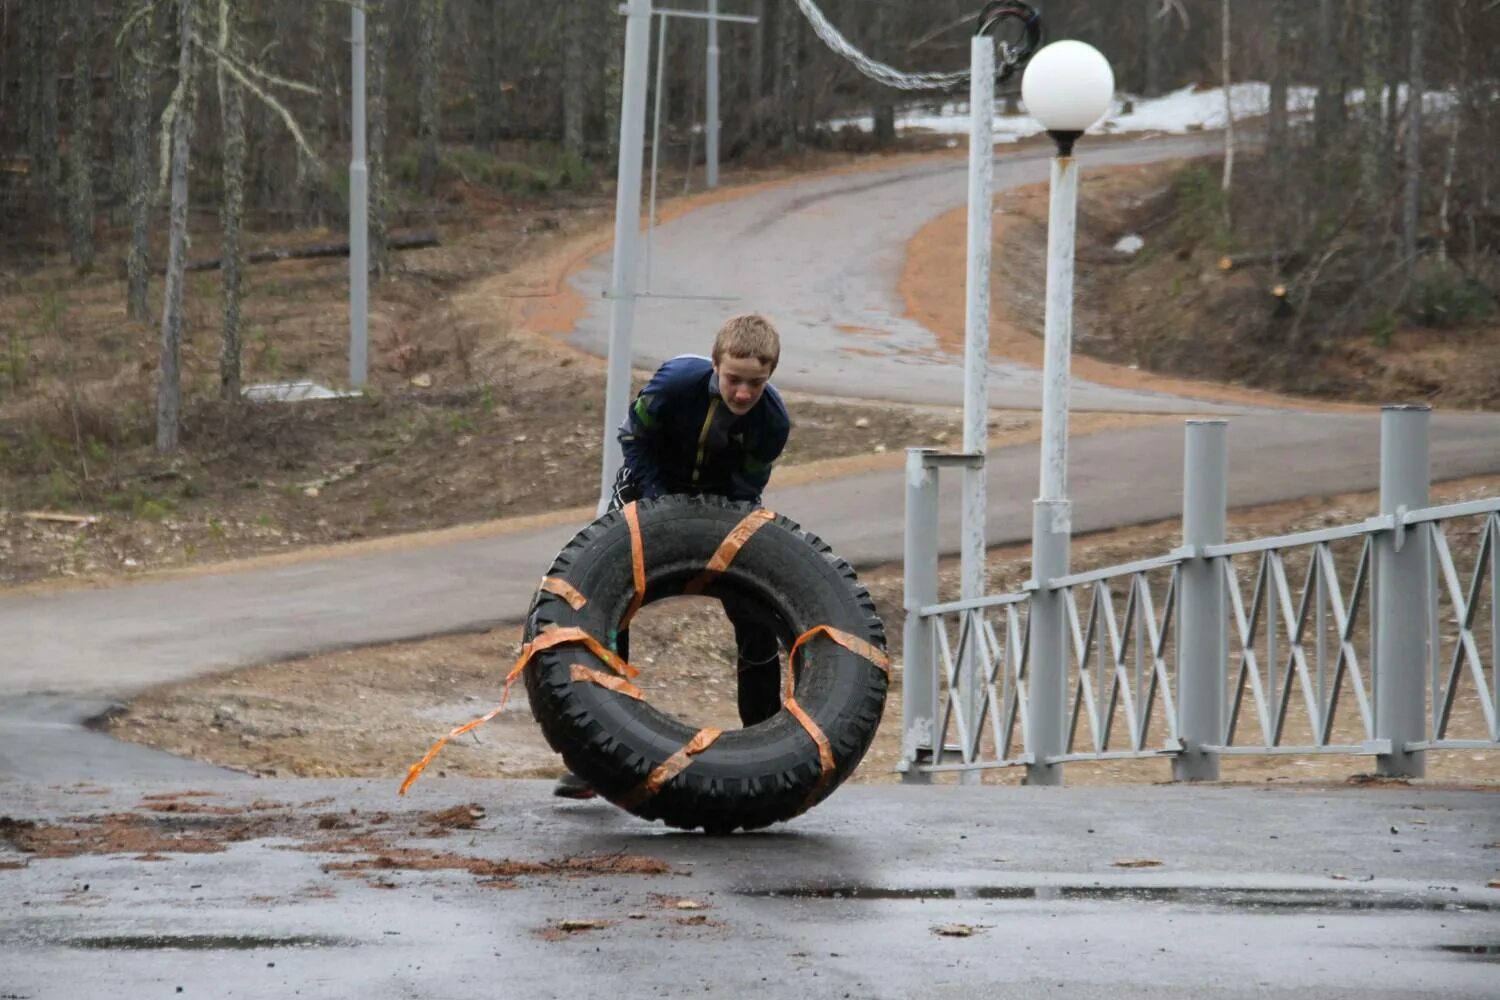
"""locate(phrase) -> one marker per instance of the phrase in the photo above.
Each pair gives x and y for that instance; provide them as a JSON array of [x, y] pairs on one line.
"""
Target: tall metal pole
[[661, 63], [1402, 589], [711, 115], [1052, 514], [1201, 626], [627, 226], [919, 681], [977, 353], [359, 210]]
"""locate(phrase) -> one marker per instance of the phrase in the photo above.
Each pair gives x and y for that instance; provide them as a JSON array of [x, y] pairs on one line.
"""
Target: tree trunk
[[118, 118], [231, 255], [1450, 163], [429, 22], [1372, 138], [138, 262], [1416, 85], [1278, 151], [169, 373], [1225, 52], [1328, 108], [574, 90], [786, 73], [884, 112], [1156, 23], [311, 182], [377, 54], [758, 54], [490, 117], [45, 151], [80, 160], [614, 78]]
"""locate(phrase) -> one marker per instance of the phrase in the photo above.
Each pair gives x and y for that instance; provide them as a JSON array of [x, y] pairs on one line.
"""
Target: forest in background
[[1364, 212]]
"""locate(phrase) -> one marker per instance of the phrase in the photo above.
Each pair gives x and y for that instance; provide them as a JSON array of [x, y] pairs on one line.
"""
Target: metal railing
[[1369, 638]]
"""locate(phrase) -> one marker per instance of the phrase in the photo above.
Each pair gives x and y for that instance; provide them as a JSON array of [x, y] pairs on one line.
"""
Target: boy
[[711, 427]]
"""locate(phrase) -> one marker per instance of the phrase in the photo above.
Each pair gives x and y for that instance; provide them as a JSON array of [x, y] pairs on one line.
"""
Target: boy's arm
[[639, 435]]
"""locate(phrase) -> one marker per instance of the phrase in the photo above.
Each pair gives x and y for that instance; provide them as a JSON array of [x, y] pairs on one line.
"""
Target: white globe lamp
[[1067, 88]]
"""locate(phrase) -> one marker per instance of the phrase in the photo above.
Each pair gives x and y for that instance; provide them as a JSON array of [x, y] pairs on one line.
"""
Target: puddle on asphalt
[[1241, 898], [199, 942]]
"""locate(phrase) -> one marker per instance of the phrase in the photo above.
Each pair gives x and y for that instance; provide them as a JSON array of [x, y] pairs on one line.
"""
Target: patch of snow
[[1186, 110], [292, 392]]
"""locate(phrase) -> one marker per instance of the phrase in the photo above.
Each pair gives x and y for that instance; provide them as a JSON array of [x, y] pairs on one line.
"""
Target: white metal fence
[[1380, 637]]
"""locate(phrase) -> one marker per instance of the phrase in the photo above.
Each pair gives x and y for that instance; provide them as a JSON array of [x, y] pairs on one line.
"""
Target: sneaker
[[571, 786]]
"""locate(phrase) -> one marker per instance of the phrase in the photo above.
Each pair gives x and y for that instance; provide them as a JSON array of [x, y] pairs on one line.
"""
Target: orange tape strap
[[852, 643], [637, 563], [562, 588], [669, 769], [855, 645], [729, 548], [550, 637], [588, 675]]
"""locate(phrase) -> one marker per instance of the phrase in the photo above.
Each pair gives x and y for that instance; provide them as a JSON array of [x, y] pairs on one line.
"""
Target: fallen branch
[[413, 241], [49, 515]]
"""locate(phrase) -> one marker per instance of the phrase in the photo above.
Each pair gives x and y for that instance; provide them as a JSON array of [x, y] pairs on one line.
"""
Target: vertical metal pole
[[711, 113], [919, 683], [972, 581], [1052, 514], [627, 226], [1401, 640], [1062, 222], [661, 62], [1047, 671], [359, 209], [1200, 589]]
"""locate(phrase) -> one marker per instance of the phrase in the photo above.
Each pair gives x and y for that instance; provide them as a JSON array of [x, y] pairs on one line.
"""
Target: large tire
[[745, 778]]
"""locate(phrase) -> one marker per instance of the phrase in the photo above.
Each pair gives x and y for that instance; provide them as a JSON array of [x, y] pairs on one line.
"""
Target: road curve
[[824, 257]]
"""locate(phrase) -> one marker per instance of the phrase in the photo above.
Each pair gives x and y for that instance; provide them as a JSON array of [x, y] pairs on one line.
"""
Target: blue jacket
[[679, 437]]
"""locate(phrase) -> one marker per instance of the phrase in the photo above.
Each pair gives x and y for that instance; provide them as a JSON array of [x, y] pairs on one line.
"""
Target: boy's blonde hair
[[748, 336]]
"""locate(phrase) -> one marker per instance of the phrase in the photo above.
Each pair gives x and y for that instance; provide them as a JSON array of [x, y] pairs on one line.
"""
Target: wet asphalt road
[[1370, 893]]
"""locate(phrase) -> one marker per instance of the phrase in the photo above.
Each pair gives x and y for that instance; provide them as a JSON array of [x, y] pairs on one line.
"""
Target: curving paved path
[[824, 258]]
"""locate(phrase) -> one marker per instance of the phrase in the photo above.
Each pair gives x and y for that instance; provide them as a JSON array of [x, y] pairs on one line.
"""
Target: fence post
[[1047, 667], [918, 677], [1200, 595], [1401, 592]]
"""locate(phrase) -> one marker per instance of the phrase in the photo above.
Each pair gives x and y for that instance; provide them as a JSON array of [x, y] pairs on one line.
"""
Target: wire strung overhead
[[1011, 56]]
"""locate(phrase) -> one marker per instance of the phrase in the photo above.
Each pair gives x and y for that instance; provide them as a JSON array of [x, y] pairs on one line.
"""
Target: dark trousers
[[757, 652]]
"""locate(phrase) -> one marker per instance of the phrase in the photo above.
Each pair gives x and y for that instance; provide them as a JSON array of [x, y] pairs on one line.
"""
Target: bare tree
[[573, 89], [378, 55], [1328, 109], [1416, 86], [1372, 137], [1156, 22], [180, 115], [788, 35], [231, 212], [1225, 52], [1277, 146], [137, 262], [45, 145], [80, 150], [429, 18]]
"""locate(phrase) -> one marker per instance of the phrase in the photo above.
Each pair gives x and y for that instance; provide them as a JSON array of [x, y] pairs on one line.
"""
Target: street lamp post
[[1067, 88]]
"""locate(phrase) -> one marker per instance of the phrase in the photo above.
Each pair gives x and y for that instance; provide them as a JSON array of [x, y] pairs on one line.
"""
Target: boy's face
[[741, 382]]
